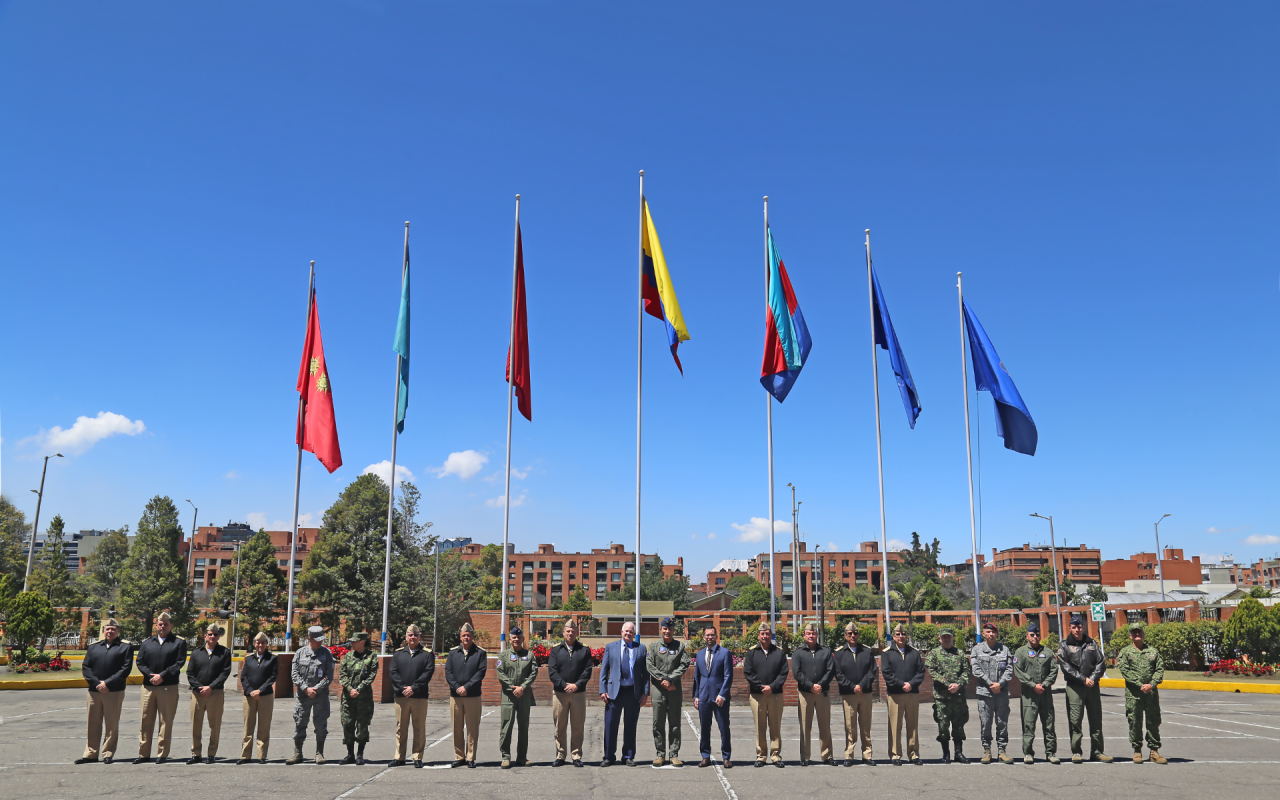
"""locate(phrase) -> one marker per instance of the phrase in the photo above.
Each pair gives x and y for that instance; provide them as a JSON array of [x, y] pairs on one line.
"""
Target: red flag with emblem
[[317, 428]]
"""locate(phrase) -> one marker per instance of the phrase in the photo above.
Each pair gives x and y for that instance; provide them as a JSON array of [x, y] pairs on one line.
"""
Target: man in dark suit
[[624, 681], [903, 671], [160, 660], [207, 673], [712, 679], [107, 664]]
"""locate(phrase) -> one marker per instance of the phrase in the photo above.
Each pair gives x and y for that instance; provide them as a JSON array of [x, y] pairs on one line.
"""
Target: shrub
[[1251, 630]]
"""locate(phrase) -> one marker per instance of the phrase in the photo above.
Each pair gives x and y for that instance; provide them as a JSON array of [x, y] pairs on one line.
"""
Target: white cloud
[[464, 464], [383, 470], [500, 501], [516, 472], [85, 433], [232, 475], [711, 535], [895, 545], [831, 546], [256, 519], [757, 530], [1262, 538]]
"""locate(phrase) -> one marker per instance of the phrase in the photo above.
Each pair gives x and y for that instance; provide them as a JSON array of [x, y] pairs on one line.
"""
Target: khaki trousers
[[210, 707], [857, 721], [411, 710], [104, 711], [257, 718], [569, 711], [766, 710], [465, 711], [904, 708], [810, 704], [161, 700]]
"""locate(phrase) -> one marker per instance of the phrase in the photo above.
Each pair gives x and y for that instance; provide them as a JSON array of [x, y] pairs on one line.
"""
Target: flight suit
[[516, 668], [1032, 666], [667, 662]]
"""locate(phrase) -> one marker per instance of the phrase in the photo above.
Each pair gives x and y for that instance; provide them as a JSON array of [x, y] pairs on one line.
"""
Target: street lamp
[[35, 523], [1160, 569], [797, 599], [1053, 554], [191, 541], [235, 603]]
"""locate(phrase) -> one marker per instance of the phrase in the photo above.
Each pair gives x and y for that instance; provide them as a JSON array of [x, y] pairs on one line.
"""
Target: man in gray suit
[[624, 681]]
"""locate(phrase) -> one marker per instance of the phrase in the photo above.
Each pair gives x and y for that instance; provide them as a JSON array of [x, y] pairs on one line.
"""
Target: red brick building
[[1142, 566], [864, 567], [1080, 563], [215, 550], [726, 571]]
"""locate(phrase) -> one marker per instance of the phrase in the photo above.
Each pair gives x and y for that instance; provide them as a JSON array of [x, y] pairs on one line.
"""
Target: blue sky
[[1106, 179]]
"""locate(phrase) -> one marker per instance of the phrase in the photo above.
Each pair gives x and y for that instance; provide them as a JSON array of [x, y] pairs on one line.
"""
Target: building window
[[844, 563], [719, 581], [573, 564], [616, 564], [558, 565], [542, 565], [845, 575], [615, 577]]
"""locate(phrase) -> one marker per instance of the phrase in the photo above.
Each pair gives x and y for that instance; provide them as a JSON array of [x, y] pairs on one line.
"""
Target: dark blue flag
[[1013, 420], [888, 339]]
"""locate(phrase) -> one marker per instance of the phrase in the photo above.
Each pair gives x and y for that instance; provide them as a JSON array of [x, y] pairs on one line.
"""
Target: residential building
[[544, 578], [73, 545], [861, 567], [445, 545], [726, 571], [1173, 566], [1080, 563], [1265, 572], [965, 569], [215, 550]]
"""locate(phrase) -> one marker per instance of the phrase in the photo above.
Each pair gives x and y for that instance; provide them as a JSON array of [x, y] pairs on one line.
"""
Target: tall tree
[[654, 585], [103, 570], [154, 576], [51, 578], [262, 585], [14, 531]]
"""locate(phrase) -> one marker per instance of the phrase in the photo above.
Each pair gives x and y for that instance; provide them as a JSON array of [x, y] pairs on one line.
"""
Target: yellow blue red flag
[[656, 287]]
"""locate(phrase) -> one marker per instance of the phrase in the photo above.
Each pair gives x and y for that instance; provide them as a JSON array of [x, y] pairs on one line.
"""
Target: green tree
[[154, 576], [14, 531], [262, 585], [1096, 594], [30, 617], [50, 577], [577, 601], [1016, 602], [490, 560], [1259, 592], [910, 597], [1252, 630], [921, 558], [739, 581], [860, 598], [103, 569], [656, 586], [753, 597]]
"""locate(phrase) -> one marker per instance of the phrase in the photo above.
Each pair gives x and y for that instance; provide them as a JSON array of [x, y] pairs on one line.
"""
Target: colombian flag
[[786, 337], [655, 284]]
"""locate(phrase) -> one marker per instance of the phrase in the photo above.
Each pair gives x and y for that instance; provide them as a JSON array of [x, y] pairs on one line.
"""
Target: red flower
[[597, 655]]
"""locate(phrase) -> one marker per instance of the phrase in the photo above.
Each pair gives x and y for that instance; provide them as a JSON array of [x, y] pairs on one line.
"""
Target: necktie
[[708, 660]]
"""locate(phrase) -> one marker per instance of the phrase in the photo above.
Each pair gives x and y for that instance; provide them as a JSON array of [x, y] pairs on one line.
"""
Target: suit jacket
[[715, 682], [259, 674], [165, 659], [611, 670], [901, 666], [107, 663], [209, 669]]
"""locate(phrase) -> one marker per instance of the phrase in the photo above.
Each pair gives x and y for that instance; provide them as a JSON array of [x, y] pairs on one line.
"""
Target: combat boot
[[960, 759], [1137, 757], [1159, 759], [1005, 758], [1028, 759], [351, 755], [1102, 757], [296, 758], [946, 753], [1076, 758], [1054, 760], [319, 749], [986, 755], [360, 755]]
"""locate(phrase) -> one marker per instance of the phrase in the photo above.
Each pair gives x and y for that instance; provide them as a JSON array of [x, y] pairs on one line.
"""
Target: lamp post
[[191, 542], [797, 599], [1159, 568], [35, 523], [1053, 555]]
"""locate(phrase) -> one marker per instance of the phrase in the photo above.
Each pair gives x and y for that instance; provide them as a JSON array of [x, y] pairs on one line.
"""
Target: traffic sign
[[1098, 611]]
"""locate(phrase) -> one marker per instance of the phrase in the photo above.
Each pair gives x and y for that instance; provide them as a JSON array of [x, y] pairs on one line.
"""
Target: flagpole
[[968, 451], [297, 483], [511, 378], [768, 402], [391, 497], [875, 381], [639, 382]]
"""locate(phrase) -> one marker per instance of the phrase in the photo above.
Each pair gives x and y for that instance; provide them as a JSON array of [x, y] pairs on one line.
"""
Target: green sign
[[1098, 611]]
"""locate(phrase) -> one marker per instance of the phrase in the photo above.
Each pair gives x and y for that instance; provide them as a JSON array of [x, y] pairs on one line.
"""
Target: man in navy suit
[[624, 681], [712, 679]]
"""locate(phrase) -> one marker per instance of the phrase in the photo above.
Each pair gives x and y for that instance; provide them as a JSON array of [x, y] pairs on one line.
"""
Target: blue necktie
[[627, 680]]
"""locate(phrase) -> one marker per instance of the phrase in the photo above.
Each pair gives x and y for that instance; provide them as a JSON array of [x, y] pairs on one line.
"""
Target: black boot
[[946, 753], [351, 755], [360, 755], [960, 759]]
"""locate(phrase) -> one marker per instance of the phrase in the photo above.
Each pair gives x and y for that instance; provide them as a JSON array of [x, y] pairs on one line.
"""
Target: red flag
[[317, 429], [523, 391]]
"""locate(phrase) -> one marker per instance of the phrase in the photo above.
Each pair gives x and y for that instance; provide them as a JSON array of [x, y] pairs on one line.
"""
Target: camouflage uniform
[[311, 669], [950, 711], [1139, 667], [992, 665], [516, 668], [667, 662], [1032, 666], [357, 671]]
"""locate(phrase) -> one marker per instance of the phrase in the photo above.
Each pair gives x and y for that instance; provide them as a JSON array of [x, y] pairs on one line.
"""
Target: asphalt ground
[[1218, 744]]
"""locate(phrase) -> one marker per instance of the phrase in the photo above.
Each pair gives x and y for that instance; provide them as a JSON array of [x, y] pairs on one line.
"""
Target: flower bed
[[338, 652], [55, 664], [1233, 666]]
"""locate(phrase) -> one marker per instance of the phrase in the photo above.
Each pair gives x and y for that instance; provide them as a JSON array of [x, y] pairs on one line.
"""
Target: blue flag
[[1013, 420], [401, 345], [887, 338]]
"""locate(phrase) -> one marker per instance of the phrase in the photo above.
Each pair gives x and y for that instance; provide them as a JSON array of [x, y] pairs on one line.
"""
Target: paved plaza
[[1218, 744]]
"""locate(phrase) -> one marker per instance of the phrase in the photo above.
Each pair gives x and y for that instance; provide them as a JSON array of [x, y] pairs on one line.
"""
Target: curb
[[134, 679], [1203, 686]]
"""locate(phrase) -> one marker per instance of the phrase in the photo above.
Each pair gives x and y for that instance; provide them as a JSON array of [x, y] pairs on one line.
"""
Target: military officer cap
[[1033, 627], [668, 622], [516, 631], [990, 626], [1135, 626], [899, 628], [946, 632], [1076, 619], [360, 637], [214, 629], [315, 632], [412, 629]]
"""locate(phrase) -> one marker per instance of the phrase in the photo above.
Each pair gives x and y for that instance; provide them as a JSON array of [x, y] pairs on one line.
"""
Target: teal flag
[[401, 345]]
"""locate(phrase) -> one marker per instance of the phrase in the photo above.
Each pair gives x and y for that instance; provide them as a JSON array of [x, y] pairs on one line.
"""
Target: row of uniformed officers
[[629, 671]]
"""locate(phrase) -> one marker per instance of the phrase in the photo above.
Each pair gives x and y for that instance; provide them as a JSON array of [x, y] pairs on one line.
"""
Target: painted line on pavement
[[38, 713], [1203, 728], [724, 782], [1226, 721]]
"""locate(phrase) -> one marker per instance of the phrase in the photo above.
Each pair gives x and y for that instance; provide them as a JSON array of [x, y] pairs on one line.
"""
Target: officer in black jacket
[[765, 670], [107, 664], [258, 676], [207, 673], [814, 669], [856, 677], [569, 668], [160, 660], [903, 671], [464, 671], [411, 669]]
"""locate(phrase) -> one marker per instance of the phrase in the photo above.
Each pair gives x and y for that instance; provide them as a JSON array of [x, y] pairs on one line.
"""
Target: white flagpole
[[768, 402], [639, 380], [968, 451], [511, 379], [297, 482], [875, 381], [391, 498]]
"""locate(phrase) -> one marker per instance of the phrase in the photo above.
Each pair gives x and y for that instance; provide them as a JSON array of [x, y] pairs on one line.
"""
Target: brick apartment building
[[725, 571], [215, 548], [861, 567], [546, 577], [1266, 572], [1142, 566], [1081, 563]]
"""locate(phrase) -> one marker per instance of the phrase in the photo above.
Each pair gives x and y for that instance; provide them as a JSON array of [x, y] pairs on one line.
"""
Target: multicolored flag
[[317, 428], [520, 380], [1013, 420], [786, 337], [659, 294]]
